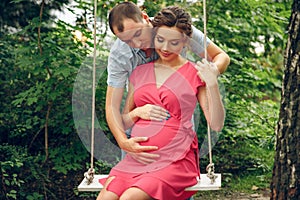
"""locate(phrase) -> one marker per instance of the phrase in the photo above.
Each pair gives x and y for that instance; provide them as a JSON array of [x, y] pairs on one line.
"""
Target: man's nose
[[137, 43]]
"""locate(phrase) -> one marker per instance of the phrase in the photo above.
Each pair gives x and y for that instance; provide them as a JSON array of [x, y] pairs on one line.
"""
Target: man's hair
[[174, 16], [124, 10]]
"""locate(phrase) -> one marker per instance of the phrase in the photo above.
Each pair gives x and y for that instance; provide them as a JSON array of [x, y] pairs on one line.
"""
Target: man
[[132, 48]]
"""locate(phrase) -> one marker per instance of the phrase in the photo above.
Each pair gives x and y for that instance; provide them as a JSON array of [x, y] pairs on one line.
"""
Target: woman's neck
[[174, 64]]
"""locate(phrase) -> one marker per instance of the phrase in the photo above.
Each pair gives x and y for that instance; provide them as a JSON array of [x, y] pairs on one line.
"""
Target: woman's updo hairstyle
[[174, 16]]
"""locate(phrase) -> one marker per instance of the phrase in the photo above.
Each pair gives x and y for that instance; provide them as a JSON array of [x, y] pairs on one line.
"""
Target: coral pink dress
[[177, 166]]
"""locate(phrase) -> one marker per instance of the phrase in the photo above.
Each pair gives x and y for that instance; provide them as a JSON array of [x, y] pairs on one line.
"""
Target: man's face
[[136, 34]]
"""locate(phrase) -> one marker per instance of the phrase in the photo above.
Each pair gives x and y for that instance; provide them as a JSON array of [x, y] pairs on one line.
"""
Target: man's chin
[[145, 47]]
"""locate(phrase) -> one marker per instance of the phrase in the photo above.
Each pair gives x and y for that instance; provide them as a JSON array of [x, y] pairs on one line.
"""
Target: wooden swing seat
[[203, 184]]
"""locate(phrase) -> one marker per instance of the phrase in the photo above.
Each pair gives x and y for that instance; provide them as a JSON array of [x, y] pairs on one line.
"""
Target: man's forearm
[[218, 57], [115, 123], [222, 61], [113, 115]]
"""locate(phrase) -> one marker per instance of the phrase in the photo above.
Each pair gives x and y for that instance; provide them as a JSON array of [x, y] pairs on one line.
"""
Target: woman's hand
[[208, 72], [152, 112]]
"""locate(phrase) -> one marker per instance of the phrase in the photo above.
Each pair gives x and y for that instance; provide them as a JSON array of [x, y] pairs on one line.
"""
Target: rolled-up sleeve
[[119, 65], [197, 41]]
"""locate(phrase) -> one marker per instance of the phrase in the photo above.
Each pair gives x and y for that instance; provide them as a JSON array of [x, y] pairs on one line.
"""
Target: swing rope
[[89, 175], [210, 167]]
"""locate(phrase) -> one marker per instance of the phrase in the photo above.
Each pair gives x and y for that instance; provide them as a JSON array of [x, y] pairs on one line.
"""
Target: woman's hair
[[174, 16], [124, 10]]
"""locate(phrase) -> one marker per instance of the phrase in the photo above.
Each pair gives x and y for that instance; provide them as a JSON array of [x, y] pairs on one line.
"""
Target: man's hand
[[139, 152], [152, 112]]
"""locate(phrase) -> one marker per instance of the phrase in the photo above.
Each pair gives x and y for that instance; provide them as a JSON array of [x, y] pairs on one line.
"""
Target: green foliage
[[16, 14], [37, 79], [13, 161], [10, 170], [69, 159]]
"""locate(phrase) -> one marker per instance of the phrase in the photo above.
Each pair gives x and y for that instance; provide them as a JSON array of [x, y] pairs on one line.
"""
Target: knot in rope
[[89, 175], [211, 173]]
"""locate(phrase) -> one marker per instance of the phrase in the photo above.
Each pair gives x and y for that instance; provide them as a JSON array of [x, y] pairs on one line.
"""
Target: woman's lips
[[165, 54]]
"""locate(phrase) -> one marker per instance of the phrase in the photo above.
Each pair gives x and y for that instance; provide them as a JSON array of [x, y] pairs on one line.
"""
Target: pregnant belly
[[159, 133]]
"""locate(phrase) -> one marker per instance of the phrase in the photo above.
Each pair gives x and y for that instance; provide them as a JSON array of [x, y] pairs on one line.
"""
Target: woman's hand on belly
[[152, 112]]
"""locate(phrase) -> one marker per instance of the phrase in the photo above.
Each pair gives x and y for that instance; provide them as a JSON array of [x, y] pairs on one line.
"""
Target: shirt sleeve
[[197, 41], [119, 64]]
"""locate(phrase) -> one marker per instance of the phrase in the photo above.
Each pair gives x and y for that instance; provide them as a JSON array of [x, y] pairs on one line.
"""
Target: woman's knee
[[135, 193], [107, 195]]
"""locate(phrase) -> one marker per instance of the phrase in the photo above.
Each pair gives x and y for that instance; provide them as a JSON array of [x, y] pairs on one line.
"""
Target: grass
[[232, 185]]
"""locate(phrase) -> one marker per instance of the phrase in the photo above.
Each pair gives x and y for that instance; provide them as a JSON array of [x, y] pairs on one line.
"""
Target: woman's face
[[168, 42]]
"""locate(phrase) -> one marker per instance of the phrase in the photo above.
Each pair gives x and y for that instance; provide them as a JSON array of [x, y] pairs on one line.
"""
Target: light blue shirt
[[123, 58]]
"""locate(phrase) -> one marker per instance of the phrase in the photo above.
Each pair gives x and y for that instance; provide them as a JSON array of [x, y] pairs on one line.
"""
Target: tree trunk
[[286, 172]]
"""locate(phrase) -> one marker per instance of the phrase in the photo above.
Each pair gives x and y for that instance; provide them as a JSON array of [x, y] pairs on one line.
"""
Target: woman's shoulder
[[142, 69], [141, 73], [191, 66], [192, 73]]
